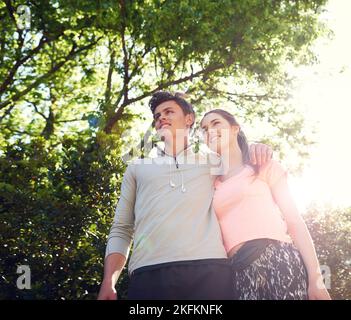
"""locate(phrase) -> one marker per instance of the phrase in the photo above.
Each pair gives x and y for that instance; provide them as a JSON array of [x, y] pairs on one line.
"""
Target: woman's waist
[[234, 244], [234, 249], [250, 251]]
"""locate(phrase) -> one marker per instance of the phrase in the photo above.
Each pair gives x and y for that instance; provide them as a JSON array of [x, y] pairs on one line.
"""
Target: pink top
[[245, 207]]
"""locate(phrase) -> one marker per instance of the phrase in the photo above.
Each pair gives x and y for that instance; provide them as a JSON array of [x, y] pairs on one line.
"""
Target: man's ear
[[190, 119]]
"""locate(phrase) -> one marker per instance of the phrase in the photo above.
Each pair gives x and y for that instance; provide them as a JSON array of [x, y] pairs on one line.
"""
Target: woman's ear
[[236, 129]]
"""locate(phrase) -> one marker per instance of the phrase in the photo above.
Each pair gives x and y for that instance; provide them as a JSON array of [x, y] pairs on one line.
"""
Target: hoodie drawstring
[[171, 183], [183, 186]]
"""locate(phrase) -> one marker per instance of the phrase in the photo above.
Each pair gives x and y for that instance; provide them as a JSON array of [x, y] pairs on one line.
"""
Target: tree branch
[[7, 112], [116, 116], [11, 11], [125, 52], [242, 95], [18, 131], [70, 120], [132, 74], [36, 109], [109, 74], [9, 79], [59, 65]]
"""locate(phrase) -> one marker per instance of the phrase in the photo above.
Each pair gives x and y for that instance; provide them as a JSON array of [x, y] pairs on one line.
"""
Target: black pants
[[208, 279]]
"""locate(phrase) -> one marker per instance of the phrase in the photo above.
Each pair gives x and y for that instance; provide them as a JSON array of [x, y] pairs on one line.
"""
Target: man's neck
[[175, 146]]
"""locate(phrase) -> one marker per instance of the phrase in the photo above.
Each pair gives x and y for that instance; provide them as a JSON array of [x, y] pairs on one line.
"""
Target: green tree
[[73, 82], [331, 232], [106, 57], [56, 206]]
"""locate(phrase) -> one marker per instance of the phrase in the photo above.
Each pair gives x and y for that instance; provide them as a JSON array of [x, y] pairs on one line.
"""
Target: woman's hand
[[317, 289]]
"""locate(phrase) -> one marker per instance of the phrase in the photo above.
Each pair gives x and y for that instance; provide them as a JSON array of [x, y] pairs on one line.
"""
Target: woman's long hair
[[242, 140]]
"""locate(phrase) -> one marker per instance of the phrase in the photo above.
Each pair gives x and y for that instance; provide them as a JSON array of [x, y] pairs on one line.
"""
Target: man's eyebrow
[[156, 115]]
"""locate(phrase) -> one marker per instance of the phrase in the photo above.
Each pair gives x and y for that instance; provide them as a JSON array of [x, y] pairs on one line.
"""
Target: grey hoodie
[[166, 204]]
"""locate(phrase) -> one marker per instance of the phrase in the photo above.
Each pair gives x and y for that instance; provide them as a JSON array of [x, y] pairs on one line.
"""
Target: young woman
[[267, 241]]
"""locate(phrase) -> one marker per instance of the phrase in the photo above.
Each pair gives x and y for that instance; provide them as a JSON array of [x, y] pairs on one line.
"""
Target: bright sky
[[323, 94]]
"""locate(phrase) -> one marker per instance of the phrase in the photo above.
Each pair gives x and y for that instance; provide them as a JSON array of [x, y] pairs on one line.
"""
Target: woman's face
[[218, 133]]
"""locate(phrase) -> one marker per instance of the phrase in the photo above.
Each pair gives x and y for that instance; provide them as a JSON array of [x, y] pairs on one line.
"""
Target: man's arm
[[260, 153], [120, 236], [114, 264]]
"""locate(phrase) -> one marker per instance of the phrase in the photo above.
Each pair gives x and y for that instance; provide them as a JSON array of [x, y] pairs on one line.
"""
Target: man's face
[[170, 120]]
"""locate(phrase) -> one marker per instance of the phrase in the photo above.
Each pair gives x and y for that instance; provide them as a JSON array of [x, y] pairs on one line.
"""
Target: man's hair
[[179, 98]]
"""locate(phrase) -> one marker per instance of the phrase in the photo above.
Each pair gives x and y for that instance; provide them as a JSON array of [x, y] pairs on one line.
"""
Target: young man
[[166, 204]]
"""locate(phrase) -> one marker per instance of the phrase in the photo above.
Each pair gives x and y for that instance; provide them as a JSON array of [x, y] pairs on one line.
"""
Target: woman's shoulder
[[271, 171]]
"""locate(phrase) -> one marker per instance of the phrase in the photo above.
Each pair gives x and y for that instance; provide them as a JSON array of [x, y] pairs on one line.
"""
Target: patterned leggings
[[277, 274]]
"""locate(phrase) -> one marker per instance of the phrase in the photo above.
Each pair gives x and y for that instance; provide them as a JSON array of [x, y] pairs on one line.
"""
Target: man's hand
[[107, 291], [114, 264], [260, 154]]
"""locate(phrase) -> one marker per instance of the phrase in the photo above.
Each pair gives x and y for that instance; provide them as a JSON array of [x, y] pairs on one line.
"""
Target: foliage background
[[75, 79]]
